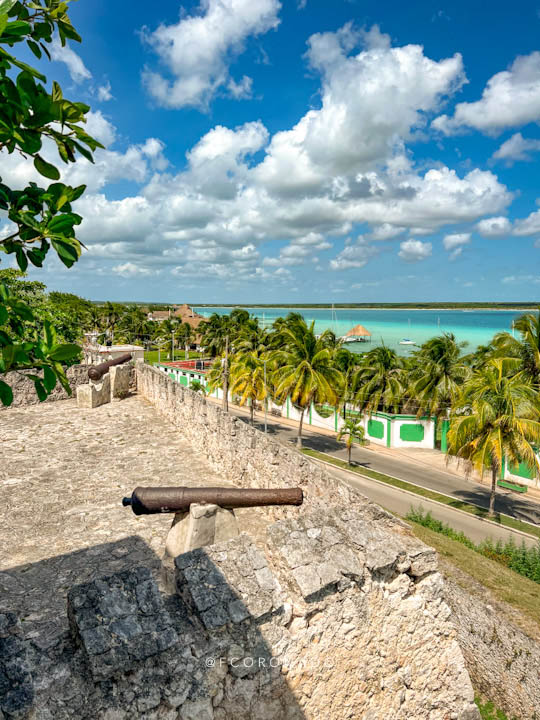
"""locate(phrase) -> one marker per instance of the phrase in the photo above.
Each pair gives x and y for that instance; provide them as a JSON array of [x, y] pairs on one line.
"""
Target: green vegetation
[[505, 584], [490, 397], [353, 431], [522, 559], [391, 306], [489, 712], [39, 217], [152, 356], [502, 418], [503, 520]]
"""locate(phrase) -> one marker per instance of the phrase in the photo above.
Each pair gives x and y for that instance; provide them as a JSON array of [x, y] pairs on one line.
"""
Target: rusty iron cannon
[[151, 500], [96, 372]]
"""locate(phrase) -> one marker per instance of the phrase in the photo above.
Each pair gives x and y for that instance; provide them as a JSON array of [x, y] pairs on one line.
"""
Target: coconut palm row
[[490, 396]]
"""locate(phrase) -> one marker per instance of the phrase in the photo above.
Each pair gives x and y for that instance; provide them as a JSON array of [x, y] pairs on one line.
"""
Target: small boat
[[406, 341]]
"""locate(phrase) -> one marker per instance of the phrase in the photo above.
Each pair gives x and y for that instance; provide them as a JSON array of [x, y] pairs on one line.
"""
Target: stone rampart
[[503, 660], [335, 618], [24, 392], [504, 672], [242, 454]]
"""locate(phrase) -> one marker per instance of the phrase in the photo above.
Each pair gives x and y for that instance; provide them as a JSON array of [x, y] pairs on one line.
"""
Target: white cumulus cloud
[[355, 255], [76, 67], [494, 226], [197, 50], [454, 243], [516, 148], [414, 250], [510, 98]]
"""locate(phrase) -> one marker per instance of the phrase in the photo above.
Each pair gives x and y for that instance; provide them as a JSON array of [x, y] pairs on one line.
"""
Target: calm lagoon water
[[476, 327]]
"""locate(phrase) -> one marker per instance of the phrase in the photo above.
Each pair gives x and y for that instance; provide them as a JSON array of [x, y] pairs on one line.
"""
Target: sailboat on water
[[407, 341]]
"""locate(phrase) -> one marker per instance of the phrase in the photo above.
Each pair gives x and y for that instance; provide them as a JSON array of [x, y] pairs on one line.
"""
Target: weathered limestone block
[[119, 620], [16, 687], [227, 583], [316, 553], [94, 394], [120, 381], [204, 524]]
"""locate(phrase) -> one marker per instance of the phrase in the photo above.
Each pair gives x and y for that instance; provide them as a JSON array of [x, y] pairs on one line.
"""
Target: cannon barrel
[[96, 372], [150, 500]]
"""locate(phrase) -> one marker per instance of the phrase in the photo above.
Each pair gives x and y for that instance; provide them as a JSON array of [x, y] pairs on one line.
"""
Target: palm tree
[[167, 329], [214, 333], [379, 381], [499, 416], [437, 375], [353, 430], [306, 371], [198, 387], [526, 350], [248, 377], [185, 336], [347, 363]]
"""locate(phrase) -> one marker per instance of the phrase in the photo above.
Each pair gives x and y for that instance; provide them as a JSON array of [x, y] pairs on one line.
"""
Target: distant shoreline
[[488, 308]]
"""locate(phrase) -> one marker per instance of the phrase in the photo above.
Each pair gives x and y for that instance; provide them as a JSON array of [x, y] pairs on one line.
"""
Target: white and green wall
[[395, 431]]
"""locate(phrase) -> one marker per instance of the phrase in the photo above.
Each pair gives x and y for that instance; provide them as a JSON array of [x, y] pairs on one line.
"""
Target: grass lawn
[[429, 494], [151, 356], [505, 584]]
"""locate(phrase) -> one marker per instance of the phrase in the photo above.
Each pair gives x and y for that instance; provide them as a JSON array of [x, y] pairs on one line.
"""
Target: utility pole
[[225, 375], [172, 345], [265, 401]]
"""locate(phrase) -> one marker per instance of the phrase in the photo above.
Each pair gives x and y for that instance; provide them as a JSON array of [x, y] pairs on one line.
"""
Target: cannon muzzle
[[151, 500], [96, 372]]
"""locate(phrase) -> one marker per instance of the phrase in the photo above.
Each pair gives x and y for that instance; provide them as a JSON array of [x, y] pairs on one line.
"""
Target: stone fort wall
[[502, 660], [24, 392]]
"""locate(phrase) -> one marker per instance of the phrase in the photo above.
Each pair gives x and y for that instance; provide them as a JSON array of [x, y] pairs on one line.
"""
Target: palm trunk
[[251, 409], [350, 451], [187, 351], [491, 512], [299, 436]]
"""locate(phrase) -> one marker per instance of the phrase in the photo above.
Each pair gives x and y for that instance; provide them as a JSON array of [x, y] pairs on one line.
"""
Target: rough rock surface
[[63, 474], [244, 637], [24, 392], [503, 659]]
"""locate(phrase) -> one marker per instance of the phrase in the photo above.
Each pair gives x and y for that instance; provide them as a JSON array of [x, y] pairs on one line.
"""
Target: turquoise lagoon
[[475, 327]]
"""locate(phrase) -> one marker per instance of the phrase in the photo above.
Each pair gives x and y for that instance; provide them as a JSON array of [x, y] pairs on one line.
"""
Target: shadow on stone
[[130, 651]]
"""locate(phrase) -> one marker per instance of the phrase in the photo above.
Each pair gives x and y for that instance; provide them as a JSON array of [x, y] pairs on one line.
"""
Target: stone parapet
[[24, 392], [330, 622]]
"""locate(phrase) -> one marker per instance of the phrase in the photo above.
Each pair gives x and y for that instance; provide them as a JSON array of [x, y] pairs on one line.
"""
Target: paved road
[[431, 478], [399, 502]]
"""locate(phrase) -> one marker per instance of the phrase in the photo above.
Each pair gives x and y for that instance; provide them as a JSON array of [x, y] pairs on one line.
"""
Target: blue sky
[[305, 151]]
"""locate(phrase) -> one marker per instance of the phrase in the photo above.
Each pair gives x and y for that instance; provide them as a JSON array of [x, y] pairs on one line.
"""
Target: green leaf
[[49, 378], [64, 222], [28, 69], [3, 314], [56, 92], [17, 28], [50, 334], [36, 257], [22, 260], [6, 5], [34, 47], [64, 352], [6, 393], [45, 168], [67, 252], [40, 390]]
